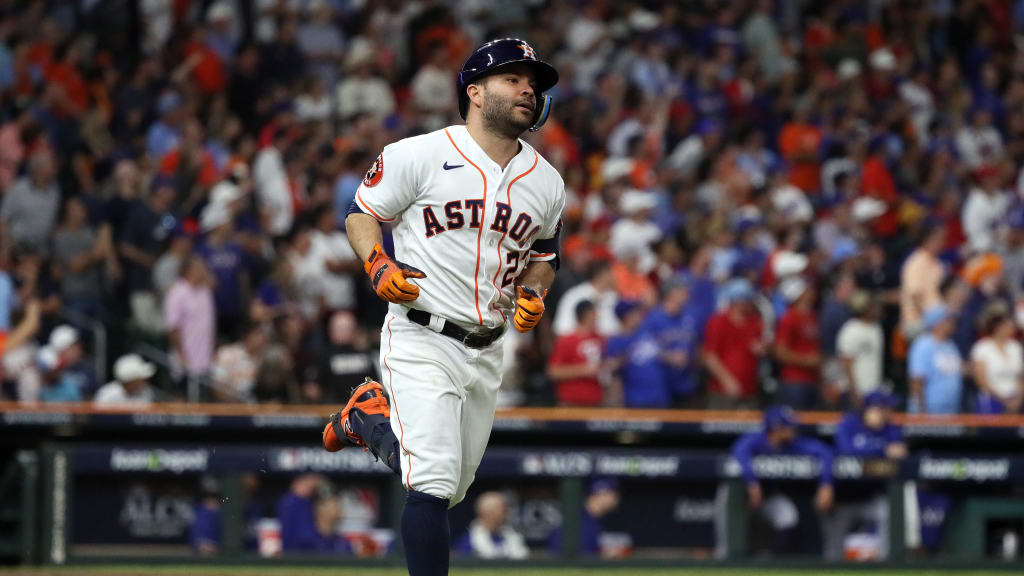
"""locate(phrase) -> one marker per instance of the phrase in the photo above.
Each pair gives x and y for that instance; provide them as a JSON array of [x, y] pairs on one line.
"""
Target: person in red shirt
[[733, 345], [576, 360], [797, 347]]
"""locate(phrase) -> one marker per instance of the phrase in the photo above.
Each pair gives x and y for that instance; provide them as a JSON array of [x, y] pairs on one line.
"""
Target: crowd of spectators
[[793, 201]]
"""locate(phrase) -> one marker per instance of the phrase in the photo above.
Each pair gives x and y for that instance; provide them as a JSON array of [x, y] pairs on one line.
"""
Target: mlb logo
[[528, 52]]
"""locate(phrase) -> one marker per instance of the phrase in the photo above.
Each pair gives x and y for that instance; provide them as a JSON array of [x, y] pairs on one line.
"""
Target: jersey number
[[512, 259]]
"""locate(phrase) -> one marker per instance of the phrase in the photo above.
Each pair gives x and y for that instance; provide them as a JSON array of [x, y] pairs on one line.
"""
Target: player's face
[[509, 100]]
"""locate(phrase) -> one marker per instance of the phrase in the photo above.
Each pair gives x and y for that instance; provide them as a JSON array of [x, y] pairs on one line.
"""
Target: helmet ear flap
[[543, 110]]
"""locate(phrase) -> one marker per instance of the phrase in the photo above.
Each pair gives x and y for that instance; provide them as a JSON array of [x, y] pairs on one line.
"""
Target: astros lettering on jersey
[[459, 217]]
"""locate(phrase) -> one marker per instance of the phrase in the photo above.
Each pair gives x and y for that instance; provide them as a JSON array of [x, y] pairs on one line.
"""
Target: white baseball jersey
[[466, 223]]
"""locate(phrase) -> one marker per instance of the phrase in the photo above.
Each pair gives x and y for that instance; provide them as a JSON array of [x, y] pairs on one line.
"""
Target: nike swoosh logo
[[452, 167]]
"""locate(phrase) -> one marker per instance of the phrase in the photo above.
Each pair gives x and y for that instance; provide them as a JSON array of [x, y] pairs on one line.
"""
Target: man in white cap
[[131, 386], [66, 342], [634, 233]]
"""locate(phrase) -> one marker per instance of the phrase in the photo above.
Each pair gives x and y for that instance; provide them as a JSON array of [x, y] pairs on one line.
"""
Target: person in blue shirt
[[778, 437], [868, 433], [635, 355], [227, 261], [677, 330], [307, 523], [935, 366], [602, 499], [204, 534]]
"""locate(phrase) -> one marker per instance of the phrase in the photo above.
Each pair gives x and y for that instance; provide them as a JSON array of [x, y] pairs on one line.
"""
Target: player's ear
[[476, 94]]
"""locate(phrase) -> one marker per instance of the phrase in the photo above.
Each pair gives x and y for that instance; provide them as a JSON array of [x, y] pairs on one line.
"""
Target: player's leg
[[478, 411], [364, 421], [419, 370]]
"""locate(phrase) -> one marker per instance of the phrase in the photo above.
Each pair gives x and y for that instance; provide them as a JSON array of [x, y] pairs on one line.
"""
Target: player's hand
[[529, 308], [390, 278], [823, 499], [754, 496]]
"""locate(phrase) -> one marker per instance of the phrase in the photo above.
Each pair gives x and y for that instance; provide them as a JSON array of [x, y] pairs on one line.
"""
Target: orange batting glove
[[390, 278], [529, 308]]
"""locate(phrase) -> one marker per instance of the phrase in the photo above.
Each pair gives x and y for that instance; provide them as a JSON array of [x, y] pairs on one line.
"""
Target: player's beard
[[501, 117]]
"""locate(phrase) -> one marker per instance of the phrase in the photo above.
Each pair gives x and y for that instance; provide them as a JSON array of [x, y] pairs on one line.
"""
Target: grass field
[[505, 571]]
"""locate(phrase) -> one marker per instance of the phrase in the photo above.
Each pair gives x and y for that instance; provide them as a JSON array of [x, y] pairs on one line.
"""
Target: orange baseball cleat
[[368, 398]]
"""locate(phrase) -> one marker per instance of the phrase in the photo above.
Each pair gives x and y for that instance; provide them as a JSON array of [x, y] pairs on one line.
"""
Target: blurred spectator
[[921, 276], [236, 365], [325, 273], [777, 437], [321, 42], [978, 142], [190, 318], [67, 343], [273, 191], [984, 210], [78, 255], [997, 363], [226, 260], [797, 347], [29, 208], [345, 361], [55, 386], [309, 519], [295, 512], [165, 134], [860, 347], [635, 358], [575, 361], [205, 532], [141, 242], [602, 498], [131, 384], [633, 235], [935, 367], [866, 433], [433, 91], [168, 266], [314, 104], [488, 535], [676, 325], [733, 345], [362, 92], [599, 289]]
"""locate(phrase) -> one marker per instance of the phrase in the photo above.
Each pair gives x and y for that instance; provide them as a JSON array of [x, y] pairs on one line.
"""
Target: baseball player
[[476, 215]]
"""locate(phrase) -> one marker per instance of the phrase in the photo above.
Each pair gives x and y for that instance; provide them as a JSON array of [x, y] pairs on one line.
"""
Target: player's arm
[[379, 199], [539, 273], [363, 233]]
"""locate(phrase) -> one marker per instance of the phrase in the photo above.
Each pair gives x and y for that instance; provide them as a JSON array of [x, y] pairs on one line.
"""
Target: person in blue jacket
[[602, 499], [778, 437], [300, 513], [868, 433], [634, 356], [676, 326]]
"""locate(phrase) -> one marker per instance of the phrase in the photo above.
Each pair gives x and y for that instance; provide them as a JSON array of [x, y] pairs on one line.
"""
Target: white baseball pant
[[443, 396]]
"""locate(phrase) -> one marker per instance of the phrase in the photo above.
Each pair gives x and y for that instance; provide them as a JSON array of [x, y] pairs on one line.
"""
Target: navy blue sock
[[375, 430], [425, 534]]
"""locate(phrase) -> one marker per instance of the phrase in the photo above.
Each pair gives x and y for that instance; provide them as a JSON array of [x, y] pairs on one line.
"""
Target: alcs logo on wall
[[159, 460]]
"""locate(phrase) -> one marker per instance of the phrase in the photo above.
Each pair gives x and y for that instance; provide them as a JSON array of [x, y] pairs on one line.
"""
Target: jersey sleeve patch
[[375, 173]]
